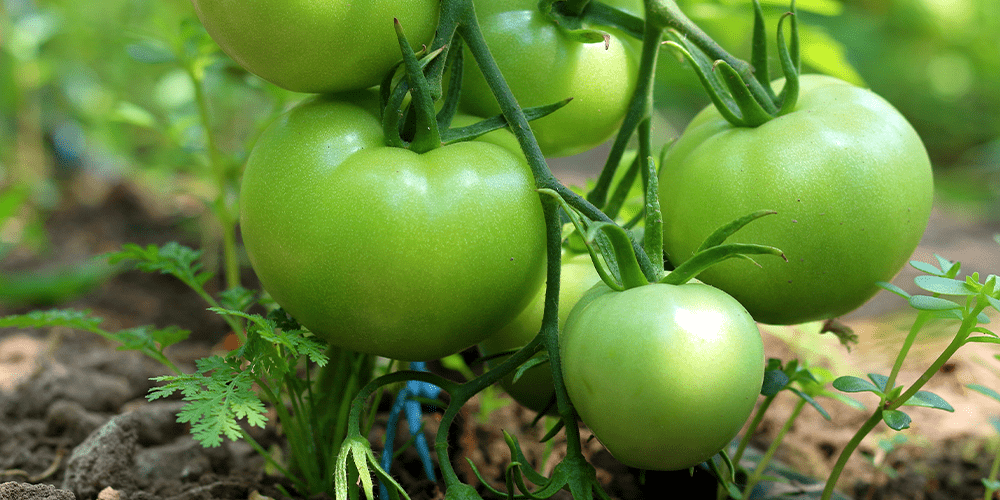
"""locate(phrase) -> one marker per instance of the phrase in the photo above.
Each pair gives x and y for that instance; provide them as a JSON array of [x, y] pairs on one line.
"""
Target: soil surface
[[74, 422]]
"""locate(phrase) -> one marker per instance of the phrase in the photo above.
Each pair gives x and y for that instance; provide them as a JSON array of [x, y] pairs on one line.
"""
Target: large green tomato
[[313, 46], [664, 375], [382, 250], [543, 65], [848, 176], [534, 388]]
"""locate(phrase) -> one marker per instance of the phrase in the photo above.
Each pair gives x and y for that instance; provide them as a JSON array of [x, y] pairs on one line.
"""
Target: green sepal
[[896, 420], [652, 236], [631, 274], [758, 51], [707, 258], [601, 14], [753, 113], [723, 233], [427, 135], [469, 132], [539, 359], [517, 455], [606, 268], [705, 71], [790, 92], [449, 106]]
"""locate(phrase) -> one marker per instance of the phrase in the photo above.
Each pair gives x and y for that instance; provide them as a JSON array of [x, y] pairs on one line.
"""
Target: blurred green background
[[109, 90]]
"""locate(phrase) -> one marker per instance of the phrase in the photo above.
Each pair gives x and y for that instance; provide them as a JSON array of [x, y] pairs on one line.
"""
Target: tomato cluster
[[415, 256]]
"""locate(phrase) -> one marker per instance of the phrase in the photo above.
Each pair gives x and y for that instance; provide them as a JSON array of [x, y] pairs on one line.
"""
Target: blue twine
[[414, 419]]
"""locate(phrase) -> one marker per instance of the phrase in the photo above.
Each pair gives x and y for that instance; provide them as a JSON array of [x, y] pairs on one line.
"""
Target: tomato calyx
[[727, 88], [574, 15]]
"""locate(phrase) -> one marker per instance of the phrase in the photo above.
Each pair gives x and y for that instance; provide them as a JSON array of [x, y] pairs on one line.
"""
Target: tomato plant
[[664, 375], [380, 249], [543, 65], [534, 388], [850, 181], [316, 46]]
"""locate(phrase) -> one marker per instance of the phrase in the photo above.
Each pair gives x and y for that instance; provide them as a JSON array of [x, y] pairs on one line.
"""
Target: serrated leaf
[[889, 287], [926, 268], [944, 286], [982, 389], [896, 419], [71, 318], [849, 383], [928, 399], [237, 298], [927, 303]]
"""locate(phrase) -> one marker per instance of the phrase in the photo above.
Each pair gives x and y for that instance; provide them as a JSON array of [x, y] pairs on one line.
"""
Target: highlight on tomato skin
[[382, 250], [848, 176], [664, 375]]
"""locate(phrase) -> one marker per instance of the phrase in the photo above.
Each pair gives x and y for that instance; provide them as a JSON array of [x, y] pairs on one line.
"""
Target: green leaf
[[926, 268], [150, 51], [982, 340], [812, 402], [133, 114], [991, 484], [894, 289], [848, 383], [172, 258], [982, 389], [944, 286], [928, 399], [879, 380], [927, 303], [994, 303], [237, 299], [774, 382], [896, 419], [71, 318]]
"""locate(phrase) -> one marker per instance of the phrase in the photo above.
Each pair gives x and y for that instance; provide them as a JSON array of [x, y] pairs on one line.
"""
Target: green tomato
[[534, 388], [850, 181], [317, 47], [382, 250], [664, 375], [543, 65]]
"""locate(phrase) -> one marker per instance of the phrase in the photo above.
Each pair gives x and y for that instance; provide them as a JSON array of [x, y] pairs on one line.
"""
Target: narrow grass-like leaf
[[982, 340], [896, 419], [982, 389], [812, 402]]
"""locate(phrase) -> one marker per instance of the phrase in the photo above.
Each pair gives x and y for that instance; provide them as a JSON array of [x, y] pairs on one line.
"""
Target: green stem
[[994, 469], [848, 450], [757, 419], [758, 471], [221, 206], [918, 324], [639, 109]]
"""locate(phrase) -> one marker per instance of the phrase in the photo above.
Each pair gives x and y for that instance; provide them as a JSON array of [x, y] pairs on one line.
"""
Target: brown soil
[[73, 415]]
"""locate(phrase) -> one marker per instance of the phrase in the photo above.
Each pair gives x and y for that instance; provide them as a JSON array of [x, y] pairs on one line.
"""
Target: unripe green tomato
[[317, 46], [664, 375], [543, 65], [534, 388], [380, 249], [850, 181]]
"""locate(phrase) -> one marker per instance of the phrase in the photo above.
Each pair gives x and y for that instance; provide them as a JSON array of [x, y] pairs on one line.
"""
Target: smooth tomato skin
[[543, 66], [318, 47], [534, 388], [382, 250], [850, 181], [664, 375]]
